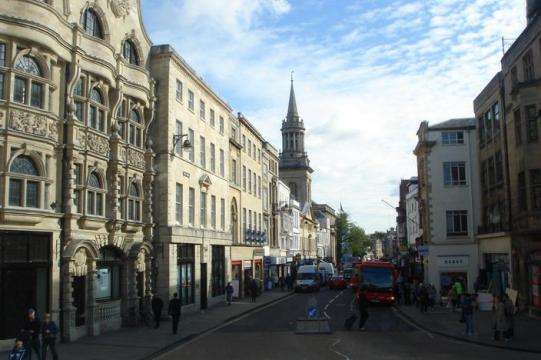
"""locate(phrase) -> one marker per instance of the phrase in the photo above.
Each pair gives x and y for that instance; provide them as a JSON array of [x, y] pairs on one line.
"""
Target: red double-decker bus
[[378, 277]]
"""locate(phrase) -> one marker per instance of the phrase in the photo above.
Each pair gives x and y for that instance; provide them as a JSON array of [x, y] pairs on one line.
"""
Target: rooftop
[[462, 123]]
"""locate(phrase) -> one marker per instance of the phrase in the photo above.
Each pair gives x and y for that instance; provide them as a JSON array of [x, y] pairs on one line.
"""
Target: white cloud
[[363, 83]]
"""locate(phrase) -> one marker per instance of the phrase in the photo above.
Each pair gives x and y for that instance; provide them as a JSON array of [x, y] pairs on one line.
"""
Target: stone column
[[92, 319], [68, 311]]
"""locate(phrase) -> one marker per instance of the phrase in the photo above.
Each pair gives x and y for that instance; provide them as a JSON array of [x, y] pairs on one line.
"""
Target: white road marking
[[336, 341]]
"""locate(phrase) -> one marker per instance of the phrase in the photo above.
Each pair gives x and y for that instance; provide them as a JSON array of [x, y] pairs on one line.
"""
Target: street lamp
[[186, 145]]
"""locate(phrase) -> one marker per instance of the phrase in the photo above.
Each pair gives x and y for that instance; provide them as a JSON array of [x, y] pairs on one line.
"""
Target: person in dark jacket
[[157, 306], [174, 311], [229, 290], [32, 327], [18, 352], [253, 290], [362, 303], [49, 331]]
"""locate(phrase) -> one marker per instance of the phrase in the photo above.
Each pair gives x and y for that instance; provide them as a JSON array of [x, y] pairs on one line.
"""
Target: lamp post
[[186, 144]]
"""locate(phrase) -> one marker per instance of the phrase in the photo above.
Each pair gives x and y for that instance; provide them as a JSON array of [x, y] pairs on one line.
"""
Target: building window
[[522, 192], [496, 117], [79, 93], [130, 52], [26, 85], [186, 273], [178, 132], [244, 143], [191, 206], [178, 204], [243, 177], [94, 195], [531, 123], [222, 214], [134, 203], [2, 86], [481, 130], [92, 24], [491, 171], [222, 163], [221, 125], [244, 224], [249, 181], [203, 208], [454, 173], [218, 270], [259, 187], [518, 127], [249, 148], [96, 110], [452, 137], [250, 219], [135, 129], [108, 274], [457, 222], [488, 126], [179, 90], [191, 137], [2, 54], [213, 211], [499, 167], [191, 100], [24, 183], [202, 111], [234, 171], [212, 157], [528, 67], [77, 170], [202, 152], [255, 184], [535, 180], [514, 77], [212, 118]]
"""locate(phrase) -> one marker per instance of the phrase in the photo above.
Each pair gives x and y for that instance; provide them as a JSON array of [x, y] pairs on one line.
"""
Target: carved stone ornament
[[80, 137], [97, 144], [33, 124], [121, 7], [79, 263], [140, 264], [136, 158]]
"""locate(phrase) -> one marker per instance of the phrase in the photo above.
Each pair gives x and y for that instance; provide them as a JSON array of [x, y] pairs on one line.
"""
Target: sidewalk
[[142, 342], [445, 322]]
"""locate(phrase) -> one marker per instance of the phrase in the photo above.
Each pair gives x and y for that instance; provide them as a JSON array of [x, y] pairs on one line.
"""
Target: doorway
[[79, 299], [204, 286]]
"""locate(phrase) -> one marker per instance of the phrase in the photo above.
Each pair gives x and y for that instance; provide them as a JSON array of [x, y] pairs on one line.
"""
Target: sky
[[366, 73]]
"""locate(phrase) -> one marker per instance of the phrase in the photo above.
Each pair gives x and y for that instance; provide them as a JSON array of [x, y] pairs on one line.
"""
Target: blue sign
[[312, 312]]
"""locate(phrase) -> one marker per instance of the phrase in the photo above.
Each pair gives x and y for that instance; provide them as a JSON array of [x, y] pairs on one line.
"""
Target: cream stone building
[[76, 100], [193, 236]]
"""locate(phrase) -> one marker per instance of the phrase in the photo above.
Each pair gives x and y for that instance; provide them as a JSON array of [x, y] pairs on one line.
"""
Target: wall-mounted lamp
[[186, 144]]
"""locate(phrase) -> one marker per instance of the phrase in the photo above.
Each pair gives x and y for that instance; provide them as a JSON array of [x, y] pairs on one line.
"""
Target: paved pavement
[[144, 343], [446, 322], [269, 333]]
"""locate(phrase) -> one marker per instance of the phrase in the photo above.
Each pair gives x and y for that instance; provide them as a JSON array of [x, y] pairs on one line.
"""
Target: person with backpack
[[18, 352], [467, 314]]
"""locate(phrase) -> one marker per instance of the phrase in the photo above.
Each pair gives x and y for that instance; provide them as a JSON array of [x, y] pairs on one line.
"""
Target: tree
[[359, 242], [342, 232]]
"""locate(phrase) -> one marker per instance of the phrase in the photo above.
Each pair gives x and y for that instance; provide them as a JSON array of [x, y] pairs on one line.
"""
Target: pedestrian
[[18, 352], [453, 298], [509, 316], [253, 290], [467, 313], [432, 296], [49, 332], [174, 311], [157, 306], [289, 282], [459, 290], [229, 293], [282, 283], [423, 298], [396, 291], [33, 329], [275, 280], [362, 303], [500, 322]]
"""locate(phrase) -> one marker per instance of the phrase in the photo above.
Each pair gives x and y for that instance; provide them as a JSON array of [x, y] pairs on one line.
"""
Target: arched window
[[96, 110], [130, 52], [135, 128], [92, 24], [108, 274], [95, 194], [27, 83], [134, 203], [24, 189]]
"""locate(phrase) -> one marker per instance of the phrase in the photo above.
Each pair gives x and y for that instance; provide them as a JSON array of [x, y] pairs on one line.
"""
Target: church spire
[[292, 113]]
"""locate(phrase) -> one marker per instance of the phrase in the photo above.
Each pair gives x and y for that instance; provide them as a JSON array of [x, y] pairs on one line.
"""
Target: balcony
[[254, 237]]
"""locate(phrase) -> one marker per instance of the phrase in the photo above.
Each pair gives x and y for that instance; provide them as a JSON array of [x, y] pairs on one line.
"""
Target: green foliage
[[353, 238]]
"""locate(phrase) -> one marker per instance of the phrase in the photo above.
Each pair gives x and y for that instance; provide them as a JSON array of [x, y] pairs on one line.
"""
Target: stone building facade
[[193, 238], [76, 170]]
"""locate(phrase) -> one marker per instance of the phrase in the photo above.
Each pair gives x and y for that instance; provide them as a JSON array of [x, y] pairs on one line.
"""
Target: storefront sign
[[247, 264], [453, 261]]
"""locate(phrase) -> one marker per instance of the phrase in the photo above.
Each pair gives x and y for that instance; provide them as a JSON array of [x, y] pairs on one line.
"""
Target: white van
[[307, 278], [326, 271]]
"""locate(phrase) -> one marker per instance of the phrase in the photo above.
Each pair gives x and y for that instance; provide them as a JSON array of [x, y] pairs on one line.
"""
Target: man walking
[[33, 329], [174, 311], [467, 313], [253, 290], [362, 303], [229, 293], [157, 306], [49, 332]]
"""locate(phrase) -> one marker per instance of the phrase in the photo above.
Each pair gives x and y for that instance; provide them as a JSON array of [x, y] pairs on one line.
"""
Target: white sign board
[[453, 261]]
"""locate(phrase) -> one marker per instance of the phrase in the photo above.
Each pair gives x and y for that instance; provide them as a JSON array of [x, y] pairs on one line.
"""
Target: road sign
[[312, 312]]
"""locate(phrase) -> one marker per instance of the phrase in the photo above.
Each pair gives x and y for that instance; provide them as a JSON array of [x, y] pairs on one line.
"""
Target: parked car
[[338, 283], [326, 271]]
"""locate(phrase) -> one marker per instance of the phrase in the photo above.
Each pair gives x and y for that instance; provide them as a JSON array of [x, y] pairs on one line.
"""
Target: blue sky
[[367, 72]]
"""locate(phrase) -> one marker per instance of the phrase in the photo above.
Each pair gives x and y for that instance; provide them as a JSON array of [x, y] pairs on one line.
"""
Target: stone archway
[[234, 222]]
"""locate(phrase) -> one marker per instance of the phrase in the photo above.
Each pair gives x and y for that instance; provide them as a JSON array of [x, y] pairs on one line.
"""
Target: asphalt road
[[269, 333]]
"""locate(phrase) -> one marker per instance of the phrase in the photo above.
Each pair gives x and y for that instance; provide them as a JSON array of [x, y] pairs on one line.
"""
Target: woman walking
[[500, 322]]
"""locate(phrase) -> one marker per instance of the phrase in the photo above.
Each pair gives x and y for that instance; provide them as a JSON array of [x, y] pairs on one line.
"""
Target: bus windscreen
[[378, 279]]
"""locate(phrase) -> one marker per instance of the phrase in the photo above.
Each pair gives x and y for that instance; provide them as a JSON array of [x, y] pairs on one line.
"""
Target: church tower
[[295, 168]]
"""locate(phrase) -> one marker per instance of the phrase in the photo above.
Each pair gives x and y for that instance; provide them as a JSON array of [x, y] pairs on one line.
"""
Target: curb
[[193, 336], [462, 339]]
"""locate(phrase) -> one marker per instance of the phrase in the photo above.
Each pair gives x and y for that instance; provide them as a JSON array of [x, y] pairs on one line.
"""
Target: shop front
[[495, 273], [534, 267]]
